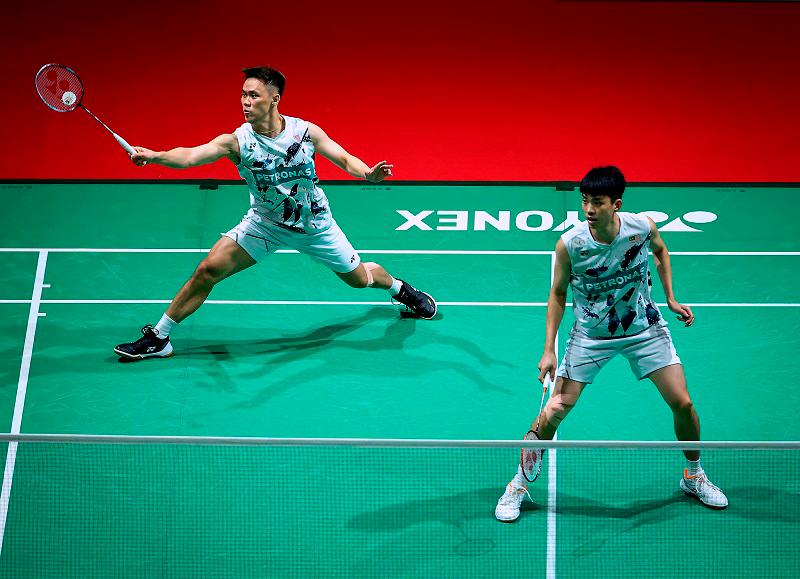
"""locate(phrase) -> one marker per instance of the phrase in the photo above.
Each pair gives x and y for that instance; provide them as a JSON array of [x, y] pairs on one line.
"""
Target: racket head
[[530, 459], [53, 81]]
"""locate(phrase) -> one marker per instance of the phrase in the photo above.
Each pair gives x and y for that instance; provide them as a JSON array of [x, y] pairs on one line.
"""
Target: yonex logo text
[[533, 220]]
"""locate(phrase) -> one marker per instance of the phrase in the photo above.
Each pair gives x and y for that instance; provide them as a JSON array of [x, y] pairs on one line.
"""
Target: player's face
[[599, 210], [257, 100]]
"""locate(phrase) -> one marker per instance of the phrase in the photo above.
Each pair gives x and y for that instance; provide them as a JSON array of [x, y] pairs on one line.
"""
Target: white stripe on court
[[372, 251], [186, 250], [386, 303], [295, 303], [22, 388], [551, 471]]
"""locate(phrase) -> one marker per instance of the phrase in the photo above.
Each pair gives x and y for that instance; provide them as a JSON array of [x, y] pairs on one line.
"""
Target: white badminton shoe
[[507, 509], [706, 492]]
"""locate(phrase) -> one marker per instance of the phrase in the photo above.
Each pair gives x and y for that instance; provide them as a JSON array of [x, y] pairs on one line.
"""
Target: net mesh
[[178, 510], [53, 81]]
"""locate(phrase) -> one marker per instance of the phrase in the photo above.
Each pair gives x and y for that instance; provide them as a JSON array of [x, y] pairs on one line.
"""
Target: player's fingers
[[546, 369]]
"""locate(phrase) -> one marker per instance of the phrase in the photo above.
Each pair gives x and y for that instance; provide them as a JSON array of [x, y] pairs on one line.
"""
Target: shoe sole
[[159, 354], [691, 494], [507, 520]]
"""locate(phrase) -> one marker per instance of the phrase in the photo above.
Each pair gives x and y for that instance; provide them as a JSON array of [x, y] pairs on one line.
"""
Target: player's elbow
[[660, 255], [559, 295]]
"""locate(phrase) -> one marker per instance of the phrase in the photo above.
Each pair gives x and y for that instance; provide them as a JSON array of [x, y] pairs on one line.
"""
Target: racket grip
[[124, 144]]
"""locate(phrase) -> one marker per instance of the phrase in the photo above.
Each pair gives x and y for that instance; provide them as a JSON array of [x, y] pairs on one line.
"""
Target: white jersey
[[611, 283], [282, 179]]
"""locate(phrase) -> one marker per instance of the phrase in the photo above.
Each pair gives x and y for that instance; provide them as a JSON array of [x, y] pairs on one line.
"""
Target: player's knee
[[368, 267], [683, 407], [208, 273], [557, 409], [363, 280], [354, 280], [358, 283]]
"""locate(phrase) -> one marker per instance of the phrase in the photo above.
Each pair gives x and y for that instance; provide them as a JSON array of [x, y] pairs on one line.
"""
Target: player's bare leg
[[563, 398], [371, 274], [225, 259], [671, 383]]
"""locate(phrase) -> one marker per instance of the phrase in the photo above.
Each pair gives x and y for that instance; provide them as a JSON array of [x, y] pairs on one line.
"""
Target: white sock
[[164, 326], [395, 289], [519, 479], [693, 467]]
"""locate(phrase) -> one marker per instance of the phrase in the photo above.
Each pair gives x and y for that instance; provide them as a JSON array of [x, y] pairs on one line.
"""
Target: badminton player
[[274, 154], [605, 262]]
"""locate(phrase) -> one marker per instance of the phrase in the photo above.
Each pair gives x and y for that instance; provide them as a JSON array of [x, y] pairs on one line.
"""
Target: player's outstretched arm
[[556, 303], [336, 154], [664, 268], [184, 157]]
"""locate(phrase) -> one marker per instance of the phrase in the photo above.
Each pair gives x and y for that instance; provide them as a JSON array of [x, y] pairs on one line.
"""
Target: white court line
[[22, 388], [299, 303], [386, 302], [185, 250], [372, 251], [551, 470]]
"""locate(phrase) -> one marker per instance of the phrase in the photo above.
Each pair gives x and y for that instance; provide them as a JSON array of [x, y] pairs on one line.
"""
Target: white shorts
[[646, 352], [330, 247]]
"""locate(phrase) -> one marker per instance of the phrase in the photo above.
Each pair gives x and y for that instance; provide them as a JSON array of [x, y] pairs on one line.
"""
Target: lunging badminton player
[[604, 261], [274, 153]]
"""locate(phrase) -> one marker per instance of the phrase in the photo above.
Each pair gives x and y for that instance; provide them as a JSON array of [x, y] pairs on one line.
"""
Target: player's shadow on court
[[451, 509], [764, 503], [301, 344], [300, 349], [11, 375], [480, 503]]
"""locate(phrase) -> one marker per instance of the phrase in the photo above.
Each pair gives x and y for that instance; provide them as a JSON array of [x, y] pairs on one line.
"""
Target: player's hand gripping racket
[[61, 89], [530, 459]]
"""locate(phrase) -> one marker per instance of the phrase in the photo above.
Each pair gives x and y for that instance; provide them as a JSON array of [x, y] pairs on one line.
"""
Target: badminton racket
[[61, 89], [530, 459]]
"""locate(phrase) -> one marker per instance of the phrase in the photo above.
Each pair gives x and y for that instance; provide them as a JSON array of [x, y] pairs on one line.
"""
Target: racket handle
[[124, 144]]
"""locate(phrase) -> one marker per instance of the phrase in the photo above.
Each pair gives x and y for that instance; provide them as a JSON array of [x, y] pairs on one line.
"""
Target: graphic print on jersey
[[620, 313], [282, 177], [611, 283]]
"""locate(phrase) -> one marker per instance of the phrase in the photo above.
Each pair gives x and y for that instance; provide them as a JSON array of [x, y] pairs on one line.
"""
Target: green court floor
[[284, 349]]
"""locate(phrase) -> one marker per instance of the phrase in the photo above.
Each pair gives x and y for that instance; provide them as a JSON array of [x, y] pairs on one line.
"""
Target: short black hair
[[268, 75], [605, 181]]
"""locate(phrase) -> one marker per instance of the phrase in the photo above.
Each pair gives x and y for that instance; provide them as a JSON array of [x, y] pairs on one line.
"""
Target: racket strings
[[59, 87], [531, 459]]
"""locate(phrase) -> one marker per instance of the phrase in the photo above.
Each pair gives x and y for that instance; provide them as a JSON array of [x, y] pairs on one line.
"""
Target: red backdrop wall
[[447, 90]]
